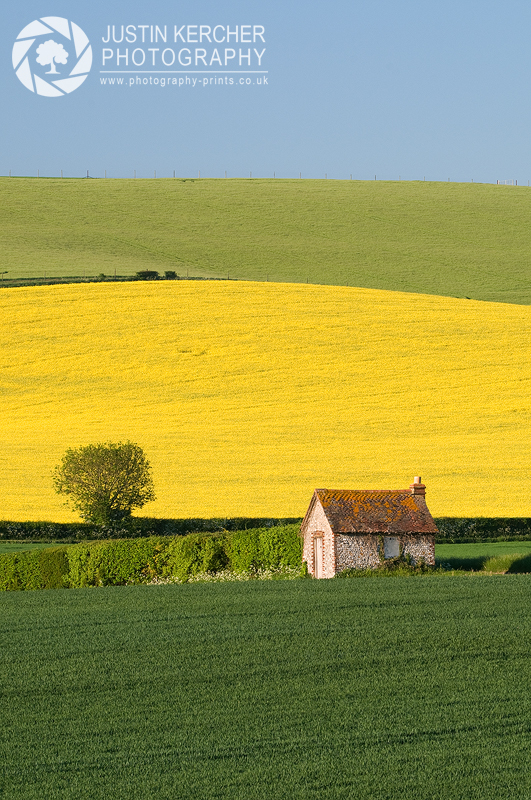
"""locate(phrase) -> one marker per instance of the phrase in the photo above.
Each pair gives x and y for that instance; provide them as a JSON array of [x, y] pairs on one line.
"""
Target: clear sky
[[392, 88]]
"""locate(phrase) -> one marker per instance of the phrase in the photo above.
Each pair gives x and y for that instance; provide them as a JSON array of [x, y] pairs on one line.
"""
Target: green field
[[463, 240], [480, 550], [488, 556], [17, 547], [368, 689]]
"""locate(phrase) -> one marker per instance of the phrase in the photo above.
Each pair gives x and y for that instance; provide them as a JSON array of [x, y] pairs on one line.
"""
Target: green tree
[[104, 482], [147, 274]]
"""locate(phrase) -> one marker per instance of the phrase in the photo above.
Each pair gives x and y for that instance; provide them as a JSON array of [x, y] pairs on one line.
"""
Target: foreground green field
[[247, 396], [371, 689], [463, 240]]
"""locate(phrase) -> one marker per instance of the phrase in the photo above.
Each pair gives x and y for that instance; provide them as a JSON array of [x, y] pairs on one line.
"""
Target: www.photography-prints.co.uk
[[184, 81]]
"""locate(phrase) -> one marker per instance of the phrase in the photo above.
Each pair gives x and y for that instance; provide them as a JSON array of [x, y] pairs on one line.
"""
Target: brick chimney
[[417, 487]]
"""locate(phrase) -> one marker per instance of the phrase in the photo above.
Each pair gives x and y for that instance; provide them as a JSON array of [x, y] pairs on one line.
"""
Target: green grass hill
[[462, 240]]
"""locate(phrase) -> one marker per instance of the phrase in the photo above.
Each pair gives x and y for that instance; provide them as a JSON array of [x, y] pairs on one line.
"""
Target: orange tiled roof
[[376, 511]]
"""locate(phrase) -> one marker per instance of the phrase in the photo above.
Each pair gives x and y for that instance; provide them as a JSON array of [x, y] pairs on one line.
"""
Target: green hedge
[[137, 527], [117, 562], [265, 548], [34, 569], [281, 547], [191, 555], [138, 559], [8, 572], [239, 551], [453, 530], [244, 550]]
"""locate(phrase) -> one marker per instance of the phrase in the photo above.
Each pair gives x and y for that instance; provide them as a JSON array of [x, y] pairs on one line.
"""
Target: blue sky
[[374, 87]]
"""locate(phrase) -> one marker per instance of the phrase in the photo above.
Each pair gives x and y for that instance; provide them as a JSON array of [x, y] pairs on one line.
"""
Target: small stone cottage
[[344, 529]]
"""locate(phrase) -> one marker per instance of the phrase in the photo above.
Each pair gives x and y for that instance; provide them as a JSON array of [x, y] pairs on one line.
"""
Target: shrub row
[[135, 528], [34, 569], [453, 530], [126, 561]]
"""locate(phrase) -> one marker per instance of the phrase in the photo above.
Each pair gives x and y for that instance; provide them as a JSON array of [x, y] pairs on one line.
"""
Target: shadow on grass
[[506, 563], [522, 564], [474, 564]]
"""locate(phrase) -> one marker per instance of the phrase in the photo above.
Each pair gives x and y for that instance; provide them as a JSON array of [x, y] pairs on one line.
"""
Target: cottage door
[[318, 557]]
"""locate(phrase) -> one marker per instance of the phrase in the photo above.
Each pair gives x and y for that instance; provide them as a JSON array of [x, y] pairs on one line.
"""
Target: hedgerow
[[452, 530], [455, 530], [34, 569], [134, 528], [252, 553], [191, 555], [116, 562]]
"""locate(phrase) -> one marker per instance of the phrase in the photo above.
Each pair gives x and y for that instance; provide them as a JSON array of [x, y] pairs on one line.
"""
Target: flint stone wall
[[362, 551]]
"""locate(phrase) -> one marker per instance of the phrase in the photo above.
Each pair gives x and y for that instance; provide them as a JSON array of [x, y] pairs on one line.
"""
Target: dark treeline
[[451, 529], [136, 527]]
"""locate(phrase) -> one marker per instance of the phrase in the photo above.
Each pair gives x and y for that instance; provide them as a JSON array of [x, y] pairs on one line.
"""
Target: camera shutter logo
[[52, 56]]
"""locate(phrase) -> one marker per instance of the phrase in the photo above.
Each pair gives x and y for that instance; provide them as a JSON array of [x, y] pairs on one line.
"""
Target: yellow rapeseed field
[[247, 396]]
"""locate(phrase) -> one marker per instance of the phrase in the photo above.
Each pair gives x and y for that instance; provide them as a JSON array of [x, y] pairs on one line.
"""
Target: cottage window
[[391, 547]]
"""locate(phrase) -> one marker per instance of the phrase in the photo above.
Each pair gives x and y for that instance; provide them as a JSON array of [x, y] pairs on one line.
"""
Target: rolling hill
[[246, 396], [461, 240]]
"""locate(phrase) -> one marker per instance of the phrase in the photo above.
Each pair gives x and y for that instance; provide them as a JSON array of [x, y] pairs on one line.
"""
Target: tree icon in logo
[[51, 53], [35, 49]]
